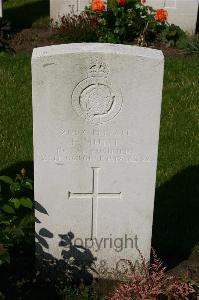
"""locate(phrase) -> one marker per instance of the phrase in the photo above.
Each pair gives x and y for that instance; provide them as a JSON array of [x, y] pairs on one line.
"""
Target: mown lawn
[[15, 112], [179, 132], [27, 13]]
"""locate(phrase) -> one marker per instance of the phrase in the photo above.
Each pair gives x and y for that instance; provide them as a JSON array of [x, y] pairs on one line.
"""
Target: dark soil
[[28, 39], [171, 52], [188, 267]]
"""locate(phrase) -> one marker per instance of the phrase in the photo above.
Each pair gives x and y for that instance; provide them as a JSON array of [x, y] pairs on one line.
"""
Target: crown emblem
[[96, 99], [98, 69]]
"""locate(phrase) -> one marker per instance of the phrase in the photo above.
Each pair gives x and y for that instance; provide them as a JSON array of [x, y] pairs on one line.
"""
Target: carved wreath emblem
[[95, 98]]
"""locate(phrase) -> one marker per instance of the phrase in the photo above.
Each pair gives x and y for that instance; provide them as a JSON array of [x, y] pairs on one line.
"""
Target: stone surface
[[96, 112], [59, 8], [180, 12], [1, 9]]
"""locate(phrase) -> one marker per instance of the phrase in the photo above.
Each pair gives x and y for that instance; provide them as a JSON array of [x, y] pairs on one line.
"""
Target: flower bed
[[120, 21]]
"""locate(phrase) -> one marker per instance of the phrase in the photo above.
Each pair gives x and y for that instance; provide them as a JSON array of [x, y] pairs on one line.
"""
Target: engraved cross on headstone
[[94, 196]]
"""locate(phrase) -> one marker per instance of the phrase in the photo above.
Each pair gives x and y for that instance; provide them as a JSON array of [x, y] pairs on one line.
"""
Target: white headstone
[[96, 110], [60, 8], [1, 9], [180, 12]]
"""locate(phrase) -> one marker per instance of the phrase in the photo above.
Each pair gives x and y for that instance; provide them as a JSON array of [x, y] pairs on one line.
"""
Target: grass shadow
[[197, 23], [25, 15], [17, 167], [176, 217]]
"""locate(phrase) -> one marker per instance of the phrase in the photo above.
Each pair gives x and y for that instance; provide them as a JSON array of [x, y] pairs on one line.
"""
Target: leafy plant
[[16, 217], [5, 29], [2, 297], [150, 282], [77, 28], [189, 43], [4, 255], [171, 34], [127, 21]]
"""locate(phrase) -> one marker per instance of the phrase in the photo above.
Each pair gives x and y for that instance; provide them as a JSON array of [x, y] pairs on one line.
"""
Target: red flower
[[161, 15], [143, 1], [122, 2], [98, 6]]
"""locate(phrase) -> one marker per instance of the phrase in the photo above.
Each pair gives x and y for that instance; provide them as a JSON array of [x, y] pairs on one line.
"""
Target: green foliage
[[77, 28], [16, 217], [190, 43], [2, 297], [171, 34], [127, 23], [5, 29], [27, 13], [4, 256]]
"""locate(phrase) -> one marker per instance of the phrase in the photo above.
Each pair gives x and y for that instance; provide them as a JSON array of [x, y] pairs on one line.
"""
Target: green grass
[[176, 226], [179, 132], [27, 13], [15, 112]]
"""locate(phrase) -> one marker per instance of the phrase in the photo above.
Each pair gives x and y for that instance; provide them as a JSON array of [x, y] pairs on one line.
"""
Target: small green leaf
[[8, 209], [16, 202], [5, 222], [18, 177], [28, 185], [4, 258], [2, 297], [26, 202], [138, 6], [15, 187], [197, 284], [6, 179]]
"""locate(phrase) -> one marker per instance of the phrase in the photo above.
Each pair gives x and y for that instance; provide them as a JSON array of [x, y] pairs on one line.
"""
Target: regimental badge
[[95, 98]]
